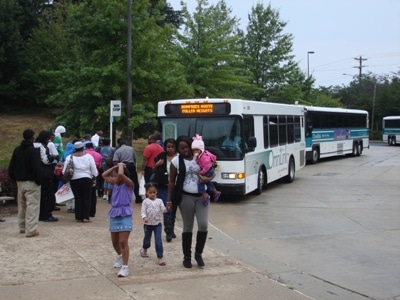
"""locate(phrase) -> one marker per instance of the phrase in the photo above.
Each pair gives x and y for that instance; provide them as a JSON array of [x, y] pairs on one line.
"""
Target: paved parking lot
[[334, 233]]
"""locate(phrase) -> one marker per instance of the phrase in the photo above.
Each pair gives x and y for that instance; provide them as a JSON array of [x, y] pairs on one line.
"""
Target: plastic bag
[[64, 193], [142, 190]]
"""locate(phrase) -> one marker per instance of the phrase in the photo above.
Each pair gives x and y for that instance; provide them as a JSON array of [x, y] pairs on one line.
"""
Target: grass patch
[[12, 126]]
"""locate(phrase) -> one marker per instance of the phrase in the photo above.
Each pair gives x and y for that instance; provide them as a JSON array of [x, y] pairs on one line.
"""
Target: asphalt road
[[334, 233]]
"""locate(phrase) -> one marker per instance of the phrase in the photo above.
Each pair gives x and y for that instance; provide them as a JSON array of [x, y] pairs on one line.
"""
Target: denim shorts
[[120, 224]]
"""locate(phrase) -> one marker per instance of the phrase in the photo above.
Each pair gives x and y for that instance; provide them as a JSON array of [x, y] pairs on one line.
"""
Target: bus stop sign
[[115, 108]]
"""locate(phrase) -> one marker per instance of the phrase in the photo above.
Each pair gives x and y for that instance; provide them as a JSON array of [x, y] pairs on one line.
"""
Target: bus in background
[[255, 142], [335, 132], [391, 130]]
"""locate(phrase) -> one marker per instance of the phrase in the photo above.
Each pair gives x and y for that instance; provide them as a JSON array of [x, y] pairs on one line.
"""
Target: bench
[[5, 198]]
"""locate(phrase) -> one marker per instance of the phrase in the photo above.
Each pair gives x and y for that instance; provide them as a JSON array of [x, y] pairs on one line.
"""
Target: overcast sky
[[338, 31]]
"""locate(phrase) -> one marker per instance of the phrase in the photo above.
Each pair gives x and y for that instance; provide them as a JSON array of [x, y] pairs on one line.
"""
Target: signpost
[[115, 111]]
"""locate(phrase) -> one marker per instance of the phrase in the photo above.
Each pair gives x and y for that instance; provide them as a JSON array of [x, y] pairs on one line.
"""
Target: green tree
[[209, 48], [324, 99], [91, 67], [17, 20], [47, 52], [271, 63], [387, 102]]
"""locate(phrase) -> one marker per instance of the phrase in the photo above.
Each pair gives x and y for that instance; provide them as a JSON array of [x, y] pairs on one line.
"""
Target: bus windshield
[[222, 136]]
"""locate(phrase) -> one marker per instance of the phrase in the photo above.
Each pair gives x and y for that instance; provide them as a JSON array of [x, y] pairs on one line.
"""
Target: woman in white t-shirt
[[84, 176], [183, 182]]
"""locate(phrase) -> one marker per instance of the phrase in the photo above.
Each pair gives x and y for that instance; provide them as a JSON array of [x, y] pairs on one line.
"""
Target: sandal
[[162, 264], [142, 254]]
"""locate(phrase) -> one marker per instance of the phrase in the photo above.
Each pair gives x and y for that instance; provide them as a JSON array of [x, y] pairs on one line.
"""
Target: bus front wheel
[[315, 155], [261, 179], [291, 171]]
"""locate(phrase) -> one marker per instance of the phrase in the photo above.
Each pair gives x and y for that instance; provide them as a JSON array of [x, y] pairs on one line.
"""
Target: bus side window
[[266, 132], [273, 131]]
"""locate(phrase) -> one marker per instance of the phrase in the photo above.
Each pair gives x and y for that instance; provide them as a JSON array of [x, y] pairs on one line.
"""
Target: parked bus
[[391, 130], [255, 142], [334, 132]]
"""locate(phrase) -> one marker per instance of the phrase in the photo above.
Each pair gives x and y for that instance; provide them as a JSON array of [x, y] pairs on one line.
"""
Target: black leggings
[[82, 189]]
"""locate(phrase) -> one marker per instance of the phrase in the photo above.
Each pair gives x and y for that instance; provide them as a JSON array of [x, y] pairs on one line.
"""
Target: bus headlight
[[232, 175]]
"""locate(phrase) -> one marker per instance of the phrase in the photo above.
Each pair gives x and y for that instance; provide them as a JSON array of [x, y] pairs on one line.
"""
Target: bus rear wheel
[[357, 148], [291, 171]]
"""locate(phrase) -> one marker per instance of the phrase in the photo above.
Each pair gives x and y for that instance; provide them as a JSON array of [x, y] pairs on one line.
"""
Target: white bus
[[391, 130], [334, 132], [255, 142]]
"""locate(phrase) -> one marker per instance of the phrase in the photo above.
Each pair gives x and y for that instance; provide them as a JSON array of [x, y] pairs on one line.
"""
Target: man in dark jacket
[[47, 191], [25, 168]]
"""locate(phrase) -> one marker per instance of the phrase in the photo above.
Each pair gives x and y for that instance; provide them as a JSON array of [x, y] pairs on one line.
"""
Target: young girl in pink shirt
[[205, 160]]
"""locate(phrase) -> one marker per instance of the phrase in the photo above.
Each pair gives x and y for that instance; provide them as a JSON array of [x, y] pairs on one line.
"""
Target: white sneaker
[[105, 197], [118, 261], [124, 271]]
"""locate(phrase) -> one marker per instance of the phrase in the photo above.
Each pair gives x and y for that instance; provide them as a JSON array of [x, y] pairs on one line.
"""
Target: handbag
[[69, 170], [142, 190], [58, 170], [64, 193]]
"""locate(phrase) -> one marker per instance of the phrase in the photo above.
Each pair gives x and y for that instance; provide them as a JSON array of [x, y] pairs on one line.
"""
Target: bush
[[8, 186], [375, 135]]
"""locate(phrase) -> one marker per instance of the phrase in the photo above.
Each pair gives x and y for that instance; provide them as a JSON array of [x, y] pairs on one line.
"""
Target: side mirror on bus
[[251, 144]]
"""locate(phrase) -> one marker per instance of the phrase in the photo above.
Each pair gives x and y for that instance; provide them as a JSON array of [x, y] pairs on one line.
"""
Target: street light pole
[[308, 62], [373, 106]]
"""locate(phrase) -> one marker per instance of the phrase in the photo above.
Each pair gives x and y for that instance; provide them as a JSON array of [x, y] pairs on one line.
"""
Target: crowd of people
[[177, 173]]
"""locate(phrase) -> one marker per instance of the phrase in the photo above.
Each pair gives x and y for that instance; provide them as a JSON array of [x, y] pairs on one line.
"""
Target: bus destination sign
[[197, 109], [200, 108]]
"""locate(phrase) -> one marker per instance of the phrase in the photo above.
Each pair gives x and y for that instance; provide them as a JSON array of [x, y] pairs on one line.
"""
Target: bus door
[[169, 130]]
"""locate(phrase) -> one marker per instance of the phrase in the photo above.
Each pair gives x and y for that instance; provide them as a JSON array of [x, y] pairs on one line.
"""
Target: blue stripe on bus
[[333, 135]]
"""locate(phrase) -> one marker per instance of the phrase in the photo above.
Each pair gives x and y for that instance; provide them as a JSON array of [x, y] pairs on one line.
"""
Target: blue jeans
[[148, 230], [162, 193], [201, 187]]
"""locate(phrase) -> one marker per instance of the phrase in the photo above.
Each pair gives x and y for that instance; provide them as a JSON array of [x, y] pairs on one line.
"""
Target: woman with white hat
[[84, 174]]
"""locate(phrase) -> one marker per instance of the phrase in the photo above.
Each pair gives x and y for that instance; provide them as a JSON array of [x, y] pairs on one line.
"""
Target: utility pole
[[128, 76], [360, 66]]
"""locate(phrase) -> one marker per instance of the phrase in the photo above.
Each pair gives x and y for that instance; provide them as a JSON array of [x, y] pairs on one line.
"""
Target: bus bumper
[[231, 189]]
